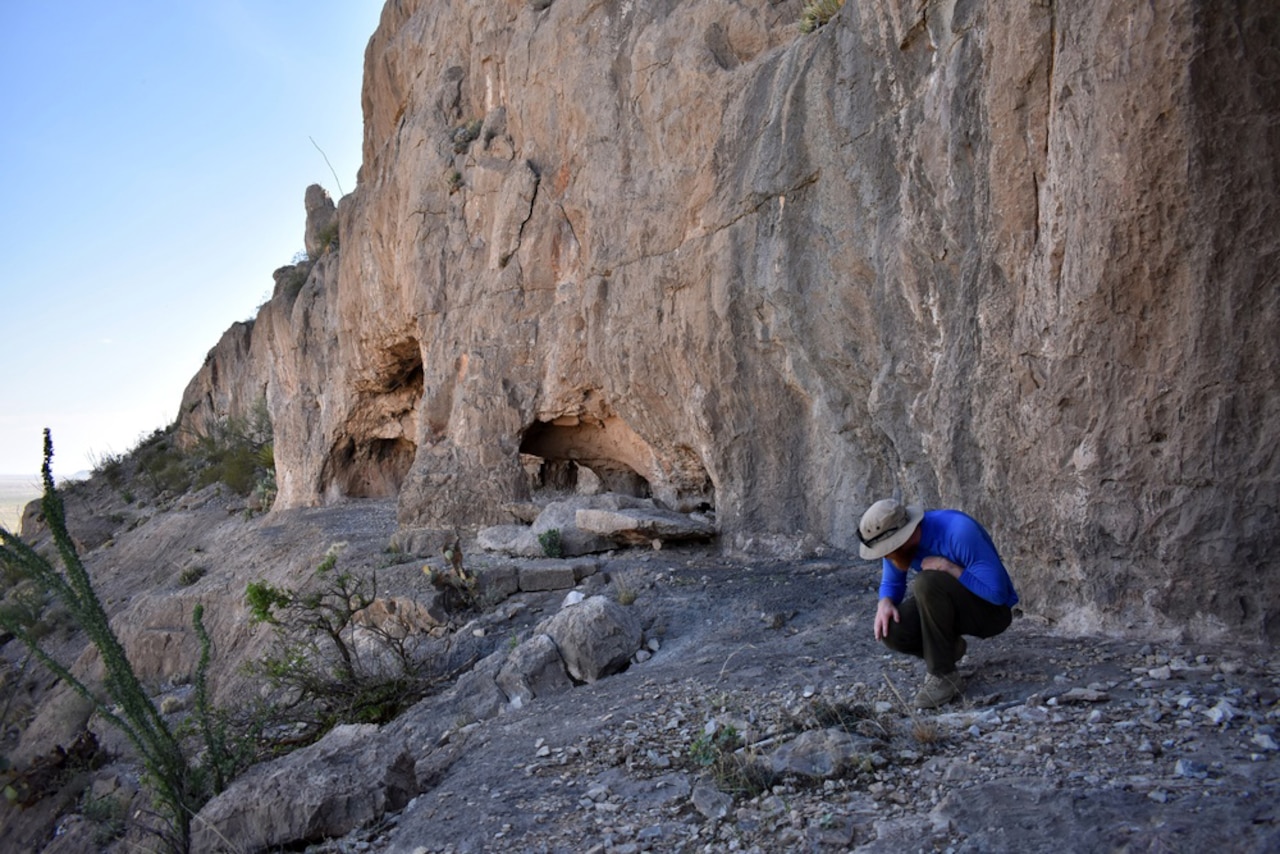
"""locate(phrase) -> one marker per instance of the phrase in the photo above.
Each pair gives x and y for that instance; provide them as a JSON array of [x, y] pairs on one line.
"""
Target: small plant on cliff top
[[816, 13], [327, 237]]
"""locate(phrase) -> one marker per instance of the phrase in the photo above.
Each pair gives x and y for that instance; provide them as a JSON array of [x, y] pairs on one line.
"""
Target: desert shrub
[[191, 575], [817, 13], [460, 588], [464, 135], [237, 452], [625, 590], [109, 815], [331, 666], [327, 237], [551, 544], [736, 769], [161, 465], [110, 467]]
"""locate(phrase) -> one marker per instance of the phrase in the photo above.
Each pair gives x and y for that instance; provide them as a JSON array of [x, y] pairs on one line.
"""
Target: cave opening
[[374, 468], [373, 454], [573, 454], [587, 455]]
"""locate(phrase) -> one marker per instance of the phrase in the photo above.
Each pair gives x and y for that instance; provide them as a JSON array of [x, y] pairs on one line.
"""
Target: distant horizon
[[37, 478]]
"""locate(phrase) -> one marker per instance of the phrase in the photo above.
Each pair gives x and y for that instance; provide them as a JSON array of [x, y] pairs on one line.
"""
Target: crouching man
[[959, 588]]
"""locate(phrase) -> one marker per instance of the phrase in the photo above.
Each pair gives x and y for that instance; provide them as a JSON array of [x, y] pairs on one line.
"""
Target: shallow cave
[[559, 455], [570, 454], [374, 456], [373, 468]]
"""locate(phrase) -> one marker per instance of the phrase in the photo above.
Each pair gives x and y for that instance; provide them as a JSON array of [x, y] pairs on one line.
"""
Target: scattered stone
[[710, 801]]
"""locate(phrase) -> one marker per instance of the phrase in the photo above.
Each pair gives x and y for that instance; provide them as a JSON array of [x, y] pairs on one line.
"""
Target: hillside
[[761, 716]]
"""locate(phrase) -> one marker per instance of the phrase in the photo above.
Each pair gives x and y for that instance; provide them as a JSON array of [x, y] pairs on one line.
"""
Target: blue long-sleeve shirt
[[960, 539]]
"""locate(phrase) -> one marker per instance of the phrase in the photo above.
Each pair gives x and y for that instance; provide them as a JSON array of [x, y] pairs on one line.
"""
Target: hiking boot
[[962, 647], [937, 690]]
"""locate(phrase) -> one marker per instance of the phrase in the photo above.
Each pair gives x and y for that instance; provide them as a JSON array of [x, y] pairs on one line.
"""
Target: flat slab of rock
[[547, 575], [633, 525], [344, 780]]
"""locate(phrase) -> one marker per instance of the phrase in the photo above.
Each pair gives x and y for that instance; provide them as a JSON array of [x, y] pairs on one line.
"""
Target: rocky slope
[[758, 715], [1018, 260]]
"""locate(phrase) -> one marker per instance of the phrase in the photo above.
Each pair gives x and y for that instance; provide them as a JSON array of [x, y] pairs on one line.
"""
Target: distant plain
[[15, 491]]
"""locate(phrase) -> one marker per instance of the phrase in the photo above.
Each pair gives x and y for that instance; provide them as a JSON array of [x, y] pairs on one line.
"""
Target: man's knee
[[931, 583]]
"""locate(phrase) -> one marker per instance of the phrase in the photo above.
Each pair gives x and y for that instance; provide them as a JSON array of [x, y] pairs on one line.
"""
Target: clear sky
[[153, 161]]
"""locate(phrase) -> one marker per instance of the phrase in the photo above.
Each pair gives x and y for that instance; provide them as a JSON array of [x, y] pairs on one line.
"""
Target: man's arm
[[941, 564], [973, 561], [893, 586]]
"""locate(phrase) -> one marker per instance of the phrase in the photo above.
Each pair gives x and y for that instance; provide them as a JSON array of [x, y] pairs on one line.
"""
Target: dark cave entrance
[[372, 458], [561, 455], [371, 469]]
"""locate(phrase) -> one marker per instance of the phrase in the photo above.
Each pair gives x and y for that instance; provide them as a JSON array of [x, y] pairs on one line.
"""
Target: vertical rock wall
[[1016, 258]]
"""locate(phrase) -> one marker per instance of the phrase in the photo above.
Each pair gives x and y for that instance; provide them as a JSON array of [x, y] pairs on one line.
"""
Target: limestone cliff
[[1015, 258]]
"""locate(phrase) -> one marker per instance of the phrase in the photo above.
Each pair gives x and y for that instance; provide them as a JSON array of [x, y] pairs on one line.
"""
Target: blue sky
[[153, 161]]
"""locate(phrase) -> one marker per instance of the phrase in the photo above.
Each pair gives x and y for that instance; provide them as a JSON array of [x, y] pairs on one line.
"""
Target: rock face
[[343, 781], [1015, 259]]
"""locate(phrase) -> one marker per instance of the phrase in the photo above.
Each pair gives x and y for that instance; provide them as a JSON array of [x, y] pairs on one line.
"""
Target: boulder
[[821, 753], [596, 637], [534, 668], [345, 780], [496, 582], [547, 575], [398, 617]]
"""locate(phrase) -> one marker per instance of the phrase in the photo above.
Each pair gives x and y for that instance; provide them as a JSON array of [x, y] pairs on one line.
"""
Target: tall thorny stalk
[[127, 705]]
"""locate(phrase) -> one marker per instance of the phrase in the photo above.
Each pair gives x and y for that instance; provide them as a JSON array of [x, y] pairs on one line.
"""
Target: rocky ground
[[1088, 744], [762, 716]]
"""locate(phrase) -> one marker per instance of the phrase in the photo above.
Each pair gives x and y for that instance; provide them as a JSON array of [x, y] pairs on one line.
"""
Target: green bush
[[464, 135], [327, 237], [551, 543], [191, 575], [319, 677], [735, 769], [237, 452], [816, 14], [161, 466]]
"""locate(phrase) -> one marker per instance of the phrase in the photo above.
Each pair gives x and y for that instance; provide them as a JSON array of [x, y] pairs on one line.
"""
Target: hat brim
[[915, 512]]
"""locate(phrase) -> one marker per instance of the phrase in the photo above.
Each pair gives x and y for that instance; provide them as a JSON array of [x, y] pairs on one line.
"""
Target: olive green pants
[[939, 610]]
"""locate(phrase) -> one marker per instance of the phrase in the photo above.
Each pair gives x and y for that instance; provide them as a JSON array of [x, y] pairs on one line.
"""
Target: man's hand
[[941, 564], [885, 612]]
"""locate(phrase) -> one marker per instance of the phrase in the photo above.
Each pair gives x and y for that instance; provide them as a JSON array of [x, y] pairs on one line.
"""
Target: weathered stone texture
[[1016, 258]]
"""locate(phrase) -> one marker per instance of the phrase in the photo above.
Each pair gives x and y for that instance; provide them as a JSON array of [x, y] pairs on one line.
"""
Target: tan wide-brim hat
[[885, 526]]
